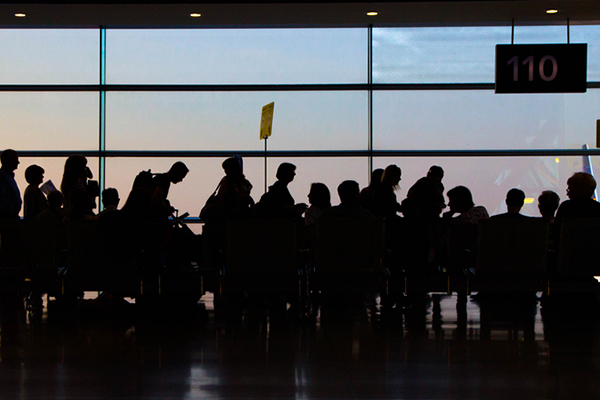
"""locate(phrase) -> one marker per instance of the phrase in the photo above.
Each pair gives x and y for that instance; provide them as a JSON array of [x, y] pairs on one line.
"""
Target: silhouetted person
[[34, 201], [580, 190], [319, 198], [110, 200], [10, 196], [515, 199], [426, 196], [385, 203], [55, 213], [161, 183], [366, 195], [460, 201], [349, 206], [75, 178], [234, 190], [548, 203], [277, 202]]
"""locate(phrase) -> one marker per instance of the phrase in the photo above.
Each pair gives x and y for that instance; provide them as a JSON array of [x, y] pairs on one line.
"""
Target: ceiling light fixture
[[551, 11], [20, 15], [195, 15], [372, 13]]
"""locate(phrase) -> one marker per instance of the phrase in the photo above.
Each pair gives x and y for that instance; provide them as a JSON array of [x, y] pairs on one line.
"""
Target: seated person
[[55, 213], [548, 204], [460, 200], [110, 200], [580, 191], [515, 198], [349, 207], [278, 202]]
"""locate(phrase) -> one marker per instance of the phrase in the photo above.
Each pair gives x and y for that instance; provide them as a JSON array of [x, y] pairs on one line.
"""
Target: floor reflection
[[434, 347]]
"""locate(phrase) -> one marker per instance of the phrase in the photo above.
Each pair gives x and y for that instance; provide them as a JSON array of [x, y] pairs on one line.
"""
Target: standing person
[[34, 201], [234, 189], [75, 178], [161, 183], [10, 196], [319, 198], [110, 200], [385, 203], [426, 196], [366, 195], [278, 202]]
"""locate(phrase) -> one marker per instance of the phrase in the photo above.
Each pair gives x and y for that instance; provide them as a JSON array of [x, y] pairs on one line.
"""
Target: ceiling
[[229, 14]]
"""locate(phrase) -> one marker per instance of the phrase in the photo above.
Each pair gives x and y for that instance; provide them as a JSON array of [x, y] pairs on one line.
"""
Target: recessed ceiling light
[[20, 15], [195, 15], [551, 11], [372, 13]]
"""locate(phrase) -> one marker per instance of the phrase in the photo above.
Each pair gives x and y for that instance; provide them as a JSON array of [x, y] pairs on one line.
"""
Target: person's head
[[233, 166], [548, 203], [55, 199], [515, 198], [435, 173], [376, 177], [319, 195], [76, 166], [391, 175], [460, 199], [349, 192], [34, 174], [580, 184], [110, 197], [178, 172], [286, 172], [9, 159]]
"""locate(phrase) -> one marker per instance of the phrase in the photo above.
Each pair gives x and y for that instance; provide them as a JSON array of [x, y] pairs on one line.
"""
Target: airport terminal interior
[[355, 87]]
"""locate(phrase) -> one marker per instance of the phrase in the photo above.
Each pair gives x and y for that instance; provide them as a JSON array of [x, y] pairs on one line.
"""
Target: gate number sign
[[541, 68]]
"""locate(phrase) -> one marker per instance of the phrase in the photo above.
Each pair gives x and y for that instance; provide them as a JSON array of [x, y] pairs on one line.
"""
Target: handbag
[[213, 208]]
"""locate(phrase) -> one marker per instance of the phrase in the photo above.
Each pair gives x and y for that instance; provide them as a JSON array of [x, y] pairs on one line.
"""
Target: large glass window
[[480, 119], [49, 56], [49, 120], [237, 56], [231, 120]]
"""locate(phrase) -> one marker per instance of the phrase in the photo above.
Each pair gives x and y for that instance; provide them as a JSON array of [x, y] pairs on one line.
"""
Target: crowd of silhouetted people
[[415, 227]]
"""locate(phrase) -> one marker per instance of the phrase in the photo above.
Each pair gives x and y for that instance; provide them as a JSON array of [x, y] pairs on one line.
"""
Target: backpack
[[144, 180]]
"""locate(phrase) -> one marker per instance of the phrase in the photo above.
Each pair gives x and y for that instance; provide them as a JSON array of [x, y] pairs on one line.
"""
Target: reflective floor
[[441, 348]]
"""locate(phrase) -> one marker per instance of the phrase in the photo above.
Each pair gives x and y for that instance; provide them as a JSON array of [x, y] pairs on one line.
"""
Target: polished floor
[[440, 348]]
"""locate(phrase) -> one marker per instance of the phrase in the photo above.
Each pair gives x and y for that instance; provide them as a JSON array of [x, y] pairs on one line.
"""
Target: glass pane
[[480, 119], [49, 56], [436, 55], [49, 120], [231, 121], [490, 178], [589, 34], [211, 56], [53, 170]]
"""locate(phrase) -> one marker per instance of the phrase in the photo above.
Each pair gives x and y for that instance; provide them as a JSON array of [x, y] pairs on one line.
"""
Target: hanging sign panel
[[541, 68], [266, 120]]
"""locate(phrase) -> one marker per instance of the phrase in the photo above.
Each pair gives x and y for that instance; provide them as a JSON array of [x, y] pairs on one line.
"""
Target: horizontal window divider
[[311, 153], [257, 88]]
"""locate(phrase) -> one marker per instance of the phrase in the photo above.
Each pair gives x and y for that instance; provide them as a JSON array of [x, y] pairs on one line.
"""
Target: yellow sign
[[266, 120]]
